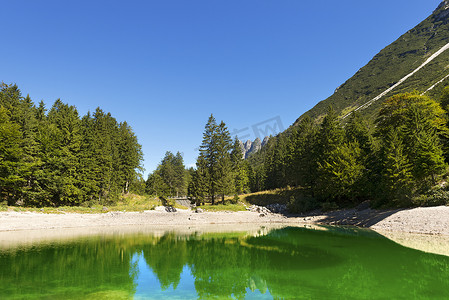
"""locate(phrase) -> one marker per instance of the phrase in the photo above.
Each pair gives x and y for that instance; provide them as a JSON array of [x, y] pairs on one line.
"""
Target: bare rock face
[[265, 140], [249, 147], [256, 146], [442, 11]]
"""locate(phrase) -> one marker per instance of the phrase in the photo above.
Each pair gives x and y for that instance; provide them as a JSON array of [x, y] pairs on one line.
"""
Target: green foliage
[[340, 173], [224, 207], [235, 199], [302, 204], [280, 195], [167, 201], [170, 177], [397, 176], [391, 64], [59, 159], [239, 169], [345, 164], [433, 197], [413, 127], [10, 158], [329, 206], [218, 165]]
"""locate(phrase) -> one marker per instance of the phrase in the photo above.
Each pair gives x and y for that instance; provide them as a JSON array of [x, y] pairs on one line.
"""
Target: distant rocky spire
[[249, 147], [442, 11]]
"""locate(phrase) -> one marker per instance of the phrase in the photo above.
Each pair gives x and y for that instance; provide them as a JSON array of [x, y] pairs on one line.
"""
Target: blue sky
[[165, 66]]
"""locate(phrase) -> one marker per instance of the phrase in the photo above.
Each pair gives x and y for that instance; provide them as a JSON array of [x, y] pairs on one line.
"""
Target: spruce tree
[[10, 156], [239, 168], [64, 158], [209, 152], [397, 170], [199, 187], [225, 179], [330, 139]]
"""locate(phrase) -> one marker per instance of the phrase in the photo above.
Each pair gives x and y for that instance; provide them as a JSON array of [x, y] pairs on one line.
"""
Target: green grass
[[128, 202], [225, 207], [389, 66], [264, 198]]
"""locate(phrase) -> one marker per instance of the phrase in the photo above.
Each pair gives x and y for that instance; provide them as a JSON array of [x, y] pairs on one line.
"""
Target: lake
[[265, 263]]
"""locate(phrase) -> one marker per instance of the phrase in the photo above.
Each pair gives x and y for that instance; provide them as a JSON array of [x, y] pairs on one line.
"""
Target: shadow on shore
[[362, 217]]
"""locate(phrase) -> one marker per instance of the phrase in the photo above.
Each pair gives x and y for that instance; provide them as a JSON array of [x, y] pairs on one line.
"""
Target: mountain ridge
[[394, 63]]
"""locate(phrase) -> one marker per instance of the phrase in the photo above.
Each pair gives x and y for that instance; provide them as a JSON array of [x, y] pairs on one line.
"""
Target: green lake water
[[288, 263]]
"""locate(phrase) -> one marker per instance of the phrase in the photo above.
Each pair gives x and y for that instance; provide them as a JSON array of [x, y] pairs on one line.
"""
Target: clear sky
[[164, 66]]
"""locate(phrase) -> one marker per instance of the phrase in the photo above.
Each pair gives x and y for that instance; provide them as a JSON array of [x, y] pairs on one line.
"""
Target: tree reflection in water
[[284, 263]]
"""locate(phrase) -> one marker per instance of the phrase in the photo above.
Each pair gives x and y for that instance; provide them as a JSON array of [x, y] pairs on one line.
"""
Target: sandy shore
[[426, 229], [12, 221], [428, 220]]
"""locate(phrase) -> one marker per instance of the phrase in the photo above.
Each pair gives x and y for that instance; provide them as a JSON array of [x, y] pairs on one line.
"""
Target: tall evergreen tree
[[330, 139], [130, 156], [198, 188], [240, 168], [397, 169], [10, 156], [225, 178], [209, 152]]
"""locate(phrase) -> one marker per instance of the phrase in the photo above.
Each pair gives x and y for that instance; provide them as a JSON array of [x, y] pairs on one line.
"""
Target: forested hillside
[[220, 170], [53, 157], [392, 64], [399, 160]]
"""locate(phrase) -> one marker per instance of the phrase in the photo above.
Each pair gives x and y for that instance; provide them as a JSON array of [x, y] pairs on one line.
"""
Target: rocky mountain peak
[[265, 140], [250, 147], [442, 11], [247, 145], [444, 4]]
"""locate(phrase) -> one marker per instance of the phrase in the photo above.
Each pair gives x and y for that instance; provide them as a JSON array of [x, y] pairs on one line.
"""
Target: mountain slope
[[399, 67]]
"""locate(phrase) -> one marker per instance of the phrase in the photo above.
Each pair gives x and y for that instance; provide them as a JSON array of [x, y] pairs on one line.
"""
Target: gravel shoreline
[[425, 229], [422, 220]]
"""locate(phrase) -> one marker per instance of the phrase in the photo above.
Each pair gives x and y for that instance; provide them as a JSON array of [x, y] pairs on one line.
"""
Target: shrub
[[302, 204], [167, 201], [433, 197], [329, 206]]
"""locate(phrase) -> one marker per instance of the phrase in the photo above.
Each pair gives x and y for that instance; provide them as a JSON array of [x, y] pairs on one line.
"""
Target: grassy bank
[[282, 196], [225, 207], [128, 202]]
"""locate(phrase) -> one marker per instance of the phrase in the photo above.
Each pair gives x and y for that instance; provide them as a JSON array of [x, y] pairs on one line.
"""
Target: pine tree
[[130, 155], [341, 173], [276, 164], [330, 139], [10, 156], [305, 161], [239, 168], [180, 175], [429, 160], [63, 161], [199, 188], [397, 168], [225, 179], [156, 186], [420, 126], [209, 152]]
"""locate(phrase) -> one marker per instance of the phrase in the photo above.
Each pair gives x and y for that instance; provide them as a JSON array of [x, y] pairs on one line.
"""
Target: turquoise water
[[289, 263]]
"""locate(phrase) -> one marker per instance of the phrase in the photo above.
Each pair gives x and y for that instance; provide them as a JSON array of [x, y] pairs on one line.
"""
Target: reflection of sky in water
[[338, 263], [148, 285]]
